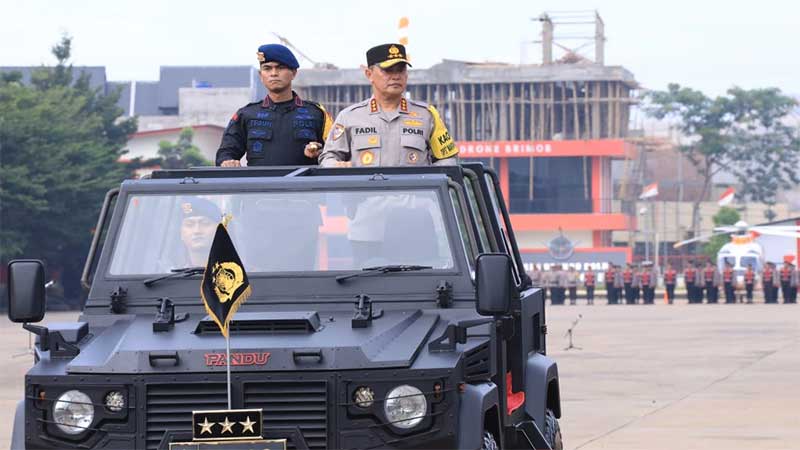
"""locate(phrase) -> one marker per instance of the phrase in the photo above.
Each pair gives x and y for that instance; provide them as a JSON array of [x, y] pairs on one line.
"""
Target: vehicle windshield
[[284, 231]]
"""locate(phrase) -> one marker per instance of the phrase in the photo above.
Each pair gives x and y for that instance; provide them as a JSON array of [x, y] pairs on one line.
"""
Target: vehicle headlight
[[73, 412], [405, 406]]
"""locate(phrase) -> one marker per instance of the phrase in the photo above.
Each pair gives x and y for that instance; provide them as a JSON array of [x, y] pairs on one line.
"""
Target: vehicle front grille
[[285, 404], [290, 404], [258, 327], [170, 406]]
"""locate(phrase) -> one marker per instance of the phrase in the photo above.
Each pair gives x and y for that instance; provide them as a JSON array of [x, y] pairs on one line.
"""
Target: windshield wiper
[[176, 273], [382, 269]]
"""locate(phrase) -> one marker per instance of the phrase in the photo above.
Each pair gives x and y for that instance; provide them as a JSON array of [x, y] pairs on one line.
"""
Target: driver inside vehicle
[[199, 219]]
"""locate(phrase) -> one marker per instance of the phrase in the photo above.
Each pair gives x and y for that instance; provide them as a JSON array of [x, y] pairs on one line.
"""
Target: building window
[[550, 185]]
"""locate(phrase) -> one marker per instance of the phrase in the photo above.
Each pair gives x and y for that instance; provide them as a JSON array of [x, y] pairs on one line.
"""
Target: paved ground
[[647, 377], [679, 377]]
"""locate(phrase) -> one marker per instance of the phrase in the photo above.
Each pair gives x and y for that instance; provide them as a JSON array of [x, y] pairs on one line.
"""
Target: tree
[[741, 132], [60, 142], [725, 216], [182, 154], [765, 148]]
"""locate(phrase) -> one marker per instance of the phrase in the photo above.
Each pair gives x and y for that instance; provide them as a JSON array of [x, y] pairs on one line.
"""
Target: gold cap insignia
[[187, 208], [367, 158], [394, 52], [261, 57], [227, 276]]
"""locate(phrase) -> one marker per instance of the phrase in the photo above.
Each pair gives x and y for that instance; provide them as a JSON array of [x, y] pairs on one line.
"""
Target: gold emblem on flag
[[227, 276]]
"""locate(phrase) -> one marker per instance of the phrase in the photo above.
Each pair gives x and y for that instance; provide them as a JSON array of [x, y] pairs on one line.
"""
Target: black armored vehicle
[[389, 309]]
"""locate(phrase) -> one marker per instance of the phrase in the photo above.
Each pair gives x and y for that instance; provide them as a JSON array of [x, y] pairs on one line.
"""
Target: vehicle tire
[[489, 442], [552, 432]]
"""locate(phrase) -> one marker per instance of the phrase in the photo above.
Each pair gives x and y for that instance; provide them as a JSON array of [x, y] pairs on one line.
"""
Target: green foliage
[[742, 132], [59, 147], [181, 155], [725, 216]]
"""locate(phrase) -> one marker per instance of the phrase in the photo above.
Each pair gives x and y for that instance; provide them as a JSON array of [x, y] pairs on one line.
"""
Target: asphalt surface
[[645, 377]]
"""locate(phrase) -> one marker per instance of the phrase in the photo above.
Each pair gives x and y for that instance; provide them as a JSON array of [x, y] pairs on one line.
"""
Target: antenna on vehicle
[[569, 333]]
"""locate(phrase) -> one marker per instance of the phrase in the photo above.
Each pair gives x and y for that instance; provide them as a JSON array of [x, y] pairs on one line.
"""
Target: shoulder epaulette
[[419, 103], [361, 104]]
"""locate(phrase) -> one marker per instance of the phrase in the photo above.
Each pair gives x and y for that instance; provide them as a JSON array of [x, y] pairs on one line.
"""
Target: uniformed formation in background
[[637, 285], [387, 129]]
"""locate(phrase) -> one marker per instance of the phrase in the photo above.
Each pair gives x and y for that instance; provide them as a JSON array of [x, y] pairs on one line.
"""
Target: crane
[[315, 64]]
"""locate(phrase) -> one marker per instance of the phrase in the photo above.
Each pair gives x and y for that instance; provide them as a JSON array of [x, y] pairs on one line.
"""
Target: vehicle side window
[[466, 236], [483, 234], [503, 228]]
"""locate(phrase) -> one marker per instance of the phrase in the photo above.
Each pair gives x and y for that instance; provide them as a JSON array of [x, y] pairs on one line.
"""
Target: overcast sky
[[708, 45]]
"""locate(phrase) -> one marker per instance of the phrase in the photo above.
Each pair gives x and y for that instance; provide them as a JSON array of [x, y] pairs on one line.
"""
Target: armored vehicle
[[389, 309]]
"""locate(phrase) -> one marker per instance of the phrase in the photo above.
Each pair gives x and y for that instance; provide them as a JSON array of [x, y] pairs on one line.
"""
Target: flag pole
[[228, 366]]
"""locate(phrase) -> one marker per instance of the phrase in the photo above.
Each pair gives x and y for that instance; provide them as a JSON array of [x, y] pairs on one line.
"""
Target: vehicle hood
[[131, 346]]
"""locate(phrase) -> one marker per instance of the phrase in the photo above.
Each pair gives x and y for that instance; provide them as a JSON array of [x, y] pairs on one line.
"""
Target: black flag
[[225, 285]]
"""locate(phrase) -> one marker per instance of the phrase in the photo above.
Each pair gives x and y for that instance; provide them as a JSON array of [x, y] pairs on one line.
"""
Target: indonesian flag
[[727, 197], [651, 190]]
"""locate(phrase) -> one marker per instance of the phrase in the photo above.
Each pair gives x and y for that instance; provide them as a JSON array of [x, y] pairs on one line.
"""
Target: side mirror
[[26, 297], [493, 284]]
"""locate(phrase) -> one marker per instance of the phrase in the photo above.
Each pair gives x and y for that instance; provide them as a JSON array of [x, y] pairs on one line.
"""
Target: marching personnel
[[690, 279], [572, 284], [637, 284], [282, 129], [545, 278], [788, 278], [562, 284], [627, 282], [553, 282], [619, 283], [793, 296], [749, 282], [710, 279], [611, 290], [670, 276], [588, 282], [727, 283], [536, 281], [388, 129], [769, 281], [648, 279]]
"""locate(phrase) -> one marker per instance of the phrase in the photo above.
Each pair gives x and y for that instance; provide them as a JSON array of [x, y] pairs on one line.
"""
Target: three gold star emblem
[[248, 425], [206, 425], [227, 426]]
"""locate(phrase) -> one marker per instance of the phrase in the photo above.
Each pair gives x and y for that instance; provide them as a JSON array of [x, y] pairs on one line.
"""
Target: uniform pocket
[[257, 140], [305, 134], [365, 149], [414, 147]]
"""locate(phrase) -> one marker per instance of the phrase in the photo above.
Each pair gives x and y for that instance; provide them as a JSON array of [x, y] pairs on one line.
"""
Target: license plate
[[235, 444]]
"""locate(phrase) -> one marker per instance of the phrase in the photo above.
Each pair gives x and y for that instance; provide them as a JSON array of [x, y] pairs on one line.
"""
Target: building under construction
[[499, 102], [550, 130]]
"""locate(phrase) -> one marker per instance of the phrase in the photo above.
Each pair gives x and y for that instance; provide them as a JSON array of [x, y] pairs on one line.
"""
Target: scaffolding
[[495, 102]]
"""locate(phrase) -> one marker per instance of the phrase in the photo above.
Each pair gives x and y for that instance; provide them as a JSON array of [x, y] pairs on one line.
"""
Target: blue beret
[[196, 206], [277, 53]]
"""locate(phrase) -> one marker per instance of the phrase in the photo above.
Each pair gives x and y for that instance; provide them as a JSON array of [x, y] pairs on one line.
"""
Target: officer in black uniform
[[281, 130]]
